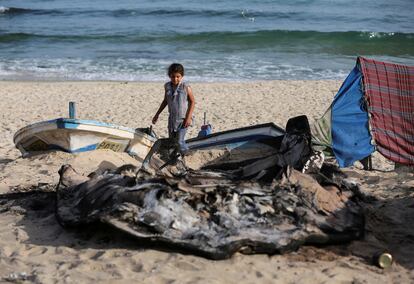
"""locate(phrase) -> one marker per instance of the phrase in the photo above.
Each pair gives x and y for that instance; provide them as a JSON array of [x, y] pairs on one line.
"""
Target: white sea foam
[[234, 69], [4, 9]]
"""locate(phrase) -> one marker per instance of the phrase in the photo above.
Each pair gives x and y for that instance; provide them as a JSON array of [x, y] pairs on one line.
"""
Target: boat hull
[[234, 147], [74, 136]]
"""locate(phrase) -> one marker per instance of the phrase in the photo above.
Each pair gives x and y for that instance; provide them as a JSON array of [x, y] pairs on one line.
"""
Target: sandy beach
[[35, 248]]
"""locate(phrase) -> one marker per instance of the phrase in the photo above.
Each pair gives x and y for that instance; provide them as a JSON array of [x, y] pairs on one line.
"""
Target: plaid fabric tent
[[373, 109], [389, 91]]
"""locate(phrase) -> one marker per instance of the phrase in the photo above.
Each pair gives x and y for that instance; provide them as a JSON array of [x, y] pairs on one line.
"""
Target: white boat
[[227, 149], [75, 135]]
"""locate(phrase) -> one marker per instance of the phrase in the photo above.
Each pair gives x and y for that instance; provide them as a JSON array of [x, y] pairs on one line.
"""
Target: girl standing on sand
[[180, 100]]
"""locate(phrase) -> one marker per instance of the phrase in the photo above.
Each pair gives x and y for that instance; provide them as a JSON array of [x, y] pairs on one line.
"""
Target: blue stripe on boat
[[68, 123], [85, 149]]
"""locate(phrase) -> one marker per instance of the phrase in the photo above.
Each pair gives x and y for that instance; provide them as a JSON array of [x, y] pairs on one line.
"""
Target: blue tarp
[[351, 140]]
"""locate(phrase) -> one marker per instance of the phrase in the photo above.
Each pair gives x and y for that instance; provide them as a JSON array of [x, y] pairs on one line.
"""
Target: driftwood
[[213, 213]]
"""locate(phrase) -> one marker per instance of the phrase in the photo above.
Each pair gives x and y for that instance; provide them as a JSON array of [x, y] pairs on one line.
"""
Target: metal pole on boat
[[72, 110]]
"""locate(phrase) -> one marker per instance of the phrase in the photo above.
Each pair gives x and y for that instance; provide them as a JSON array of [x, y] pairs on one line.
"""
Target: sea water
[[216, 40]]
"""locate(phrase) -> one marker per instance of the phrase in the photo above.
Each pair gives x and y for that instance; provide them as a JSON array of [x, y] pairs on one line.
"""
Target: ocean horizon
[[215, 41]]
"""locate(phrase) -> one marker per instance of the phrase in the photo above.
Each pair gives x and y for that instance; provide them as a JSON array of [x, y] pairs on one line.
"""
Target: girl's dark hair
[[176, 68]]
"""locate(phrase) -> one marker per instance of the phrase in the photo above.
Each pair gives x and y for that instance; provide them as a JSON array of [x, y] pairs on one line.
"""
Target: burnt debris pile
[[268, 206]]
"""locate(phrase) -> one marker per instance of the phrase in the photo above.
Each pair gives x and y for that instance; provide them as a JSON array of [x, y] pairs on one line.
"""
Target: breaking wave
[[346, 43]]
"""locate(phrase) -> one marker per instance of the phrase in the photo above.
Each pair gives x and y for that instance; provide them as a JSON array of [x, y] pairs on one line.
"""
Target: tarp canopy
[[374, 106]]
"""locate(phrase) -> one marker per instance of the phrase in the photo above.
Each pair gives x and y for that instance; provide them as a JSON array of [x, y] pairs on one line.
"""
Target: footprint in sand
[[36, 251], [186, 266]]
